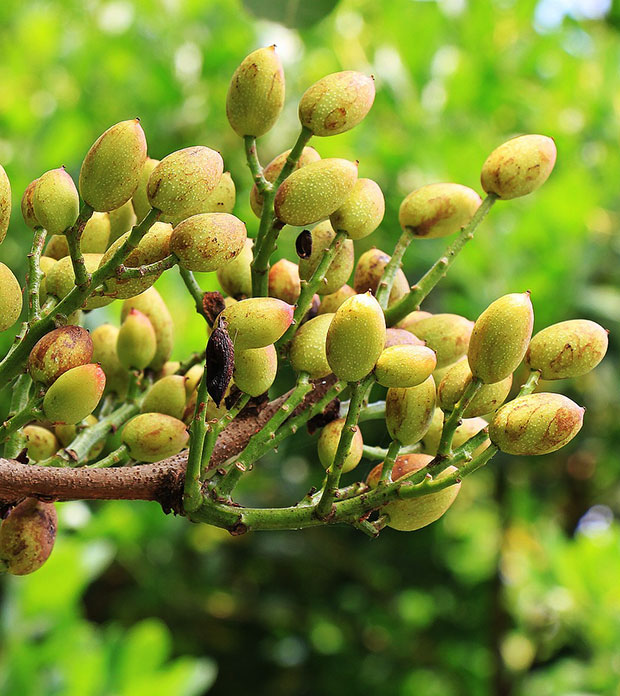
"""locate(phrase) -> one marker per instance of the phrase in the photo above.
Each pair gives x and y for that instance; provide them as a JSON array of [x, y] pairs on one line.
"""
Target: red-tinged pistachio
[[456, 380], [152, 437], [74, 395], [284, 281], [567, 349], [447, 334], [500, 337], [465, 431], [313, 192], [41, 443], [519, 166], [121, 220], [337, 102], [355, 337], [362, 212], [167, 396], [208, 241], [181, 184], [59, 351], [45, 264], [307, 352], [67, 433], [111, 169], [10, 298], [55, 201], [5, 203], [331, 302], [409, 411], [411, 319], [401, 337], [27, 536], [140, 199], [339, 269], [369, 271], [27, 205], [235, 277], [257, 321], [404, 366], [152, 304], [61, 280], [104, 339], [136, 342], [328, 445], [536, 424], [256, 93], [255, 369], [192, 377], [222, 198]]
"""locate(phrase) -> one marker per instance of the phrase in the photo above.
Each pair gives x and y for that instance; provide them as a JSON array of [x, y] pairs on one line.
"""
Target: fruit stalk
[[454, 419], [118, 456], [192, 495], [35, 275], [74, 235], [391, 268], [388, 462], [378, 454], [150, 268], [216, 428], [194, 290], [251, 156]]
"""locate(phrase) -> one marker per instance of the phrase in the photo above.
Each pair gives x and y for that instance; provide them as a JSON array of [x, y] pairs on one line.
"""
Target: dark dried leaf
[[220, 362], [331, 412], [212, 304], [303, 244]]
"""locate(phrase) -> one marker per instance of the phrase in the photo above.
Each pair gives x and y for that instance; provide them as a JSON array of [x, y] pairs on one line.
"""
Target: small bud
[[235, 277], [339, 269], [152, 304], [140, 199], [409, 411], [61, 280], [369, 271], [328, 445], [5, 203], [74, 395], [456, 380], [255, 369], [284, 281], [104, 339], [465, 431], [222, 198], [401, 337], [28, 206], [362, 212], [41, 443], [10, 298], [307, 353], [331, 302], [59, 351], [55, 201], [447, 334], [121, 220], [136, 341], [27, 536], [404, 366], [152, 437], [257, 322], [166, 396]]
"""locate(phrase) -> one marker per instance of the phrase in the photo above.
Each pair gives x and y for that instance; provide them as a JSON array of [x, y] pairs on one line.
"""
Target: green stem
[[293, 156], [126, 273], [118, 456], [453, 421], [388, 462], [74, 235], [192, 495], [35, 275], [251, 156], [391, 268], [19, 401], [216, 428], [28, 413], [194, 290], [374, 411], [378, 454], [530, 384]]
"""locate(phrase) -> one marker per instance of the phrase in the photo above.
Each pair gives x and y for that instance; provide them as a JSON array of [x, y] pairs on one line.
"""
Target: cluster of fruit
[[113, 397]]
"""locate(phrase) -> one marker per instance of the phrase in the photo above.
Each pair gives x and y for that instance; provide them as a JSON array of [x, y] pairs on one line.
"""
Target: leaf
[[297, 14]]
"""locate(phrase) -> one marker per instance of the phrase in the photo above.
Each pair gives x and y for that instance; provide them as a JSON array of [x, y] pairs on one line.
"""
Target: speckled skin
[[167, 396], [438, 210], [59, 351], [401, 337], [208, 241], [121, 220], [255, 369], [447, 334], [104, 339], [27, 205], [222, 198], [458, 377], [257, 321], [256, 93], [412, 318], [41, 443], [465, 431], [500, 337], [331, 302], [340, 268], [567, 349], [94, 240], [27, 536], [140, 199], [355, 337], [519, 166], [61, 280], [284, 281], [181, 184], [369, 271], [315, 191], [235, 277], [55, 201], [328, 444], [337, 102], [404, 365], [111, 169], [75, 394], [10, 298], [362, 212], [151, 303], [307, 353], [409, 411], [536, 424], [152, 437], [5, 203], [136, 341]]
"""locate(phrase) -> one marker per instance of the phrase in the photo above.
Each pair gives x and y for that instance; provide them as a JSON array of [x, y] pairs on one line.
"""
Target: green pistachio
[[104, 339], [61, 280], [255, 369], [136, 343], [152, 437], [409, 411], [75, 394], [284, 281], [257, 322], [5, 203], [41, 443], [222, 198], [339, 269], [362, 212], [465, 431], [121, 220], [307, 353], [447, 334], [411, 319], [369, 271], [55, 201], [94, 239], [404, 365], [192, 377], [59, 351], [140, 199], [45, 264], [456, 380], [235, 277], [10, 298], [170, 367], [331, 302], [167, 396], [328, 445], [27, 205], [152, 304], [27, 536]]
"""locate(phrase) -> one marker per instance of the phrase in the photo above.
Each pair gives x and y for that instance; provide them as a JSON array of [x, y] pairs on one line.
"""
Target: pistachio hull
[[409, 411], [152, 437], [59, 351], [74, 395], [307, 353], [328, 445]]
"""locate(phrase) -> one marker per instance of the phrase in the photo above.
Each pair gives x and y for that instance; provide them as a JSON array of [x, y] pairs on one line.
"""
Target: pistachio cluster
[[113, 396]]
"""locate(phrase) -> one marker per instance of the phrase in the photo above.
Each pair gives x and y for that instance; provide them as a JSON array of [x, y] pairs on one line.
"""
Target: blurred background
[[516, 590]]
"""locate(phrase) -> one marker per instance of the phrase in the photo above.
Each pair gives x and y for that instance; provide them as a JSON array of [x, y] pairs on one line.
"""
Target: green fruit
[[112, 167], [339, 269], [59, 351], [369, 271], [5, 203], [255, 369], [61, 280], [257, 322], [10, 298], [104, 339], [235, 277], [567, 349], [409, 411], [67, 433], [152, 437], [181, 184], [411, 319], [519, 166], [121, 220], [94, 238], [465, 431], [208, 241], [447, 334], [45, 264], [500, 337], [151, 303], [222, 198], [136, 343], [355, 337], [331, 302], [256, 93], [362, 211], [74, 395], [337, 102], [27, 536], [284, 281], [405, 366], [536, 424], [192, 377], [307, 353], [456, 380], [41, 443], [57, 247], [170, 367], [27, 205], [328, 445], [401, 337], [315, 191], [140, 200], [55, 201], [438, 210], [166, 396]]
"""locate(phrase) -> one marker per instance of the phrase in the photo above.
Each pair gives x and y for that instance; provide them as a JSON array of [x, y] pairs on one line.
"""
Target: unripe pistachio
[[152, 437], [355, 337], [10, 298], [61, 280], [409, 411], [5, 203], [136, 341], [567, 349], [27, 205], [192, 377], [111, 169], [140, 199], [339, 269], [121, 220], [456, 380], [464, 432], [41, 443], [328, 445], [362, 212], [257, 322], [500, 337], [369, 271], [104, 339], [235, 277], [409, 321], [256, 93], [170, 367], [94, 239], [152, 304], [45, 264], [284, 281], [59, 351], [447, 334], [255, 369], [404, 366], [222, 198], [337, 102], [401, 337], [57, 247], [315, 191], [27, 536], [74, 395], [67, 433], [307, 353], [167, 396], [55, 201], [208, 241], [181, 184], [330, 303], [536, 424]]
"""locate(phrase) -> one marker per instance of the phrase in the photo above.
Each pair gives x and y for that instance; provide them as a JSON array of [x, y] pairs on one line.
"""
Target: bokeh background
[[516, 590]]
